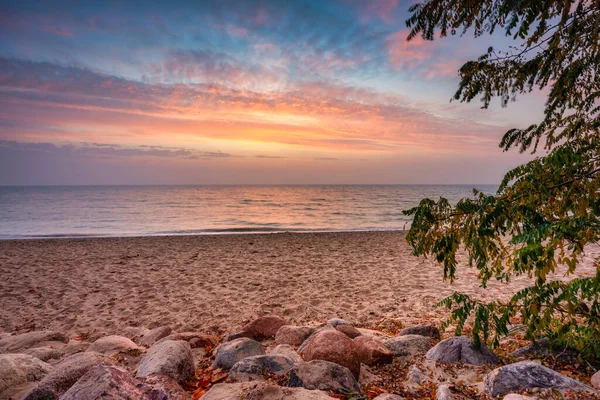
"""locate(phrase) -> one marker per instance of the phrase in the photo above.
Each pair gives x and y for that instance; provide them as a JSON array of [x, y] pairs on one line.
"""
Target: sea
[[80, 211]]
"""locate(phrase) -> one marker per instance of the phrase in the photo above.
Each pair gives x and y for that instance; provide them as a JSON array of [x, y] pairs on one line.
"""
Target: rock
[[237, 335], [264, 327], [152, 336], [422, 330], [162, 387], [261, 391], [17, 369], [172, 358], [373, 352], [514, 396], [349, 331], [332, 345], [444, 393], [459, 348], [407, 345], [254, 368], [229, 353], [44, 353], [112, 344], [287, 351], [528, 374], [65, 374], [104, 382], [308, 339], [388, 396], [323, 375], [595, 381], [293, 335], [539, 348], [415, 377], [335, 322], [196, 340], [17, 343]]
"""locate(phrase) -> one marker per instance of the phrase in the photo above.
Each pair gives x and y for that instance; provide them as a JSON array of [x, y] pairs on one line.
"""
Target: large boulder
[[264, 327], [229, 353], [407, 345], [112, 344], [293, 335], [17, 343], [196, 340], [172, 358], [460, 348], [17, 369], [323, 375], [422, 330], [261, 390], [65, 374], [373, 351], [332, 345], [255, 368], [152, 336], [104, 382], [528, 375]]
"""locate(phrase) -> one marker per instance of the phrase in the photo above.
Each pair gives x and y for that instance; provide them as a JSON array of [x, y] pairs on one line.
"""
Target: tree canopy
[[546, 212]]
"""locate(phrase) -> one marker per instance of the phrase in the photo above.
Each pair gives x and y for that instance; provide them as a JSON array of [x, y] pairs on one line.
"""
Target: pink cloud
[[382, 9], [408, 54], [58, 31]]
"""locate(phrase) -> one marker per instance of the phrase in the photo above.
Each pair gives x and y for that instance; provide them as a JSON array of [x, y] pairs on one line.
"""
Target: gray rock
[[293, 335], [104, 382], [334, 322], [237, 335], [408, 345], [17, 343], [44, 353], [388, 396], [112, 344], [528, 374], [152, 336], [195, 339], [254, 368], [459, 348], [323, 375], [444, 393], [422, 330], [539, 348], [287, 351], [229, 353], [17, 369], [171, 358], [415, 377], [65, 374], [258, 390]]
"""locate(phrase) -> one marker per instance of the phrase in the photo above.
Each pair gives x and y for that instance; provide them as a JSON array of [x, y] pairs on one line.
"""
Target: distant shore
[[215, 283]]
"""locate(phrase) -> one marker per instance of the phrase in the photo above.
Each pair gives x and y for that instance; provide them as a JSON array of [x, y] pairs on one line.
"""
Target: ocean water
[[70, 211]]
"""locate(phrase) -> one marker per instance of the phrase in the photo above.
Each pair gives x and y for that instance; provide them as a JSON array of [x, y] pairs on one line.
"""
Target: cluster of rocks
[[268, 359]]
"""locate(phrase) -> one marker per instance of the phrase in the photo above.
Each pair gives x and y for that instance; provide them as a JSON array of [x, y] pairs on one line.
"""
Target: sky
[[241, 92]]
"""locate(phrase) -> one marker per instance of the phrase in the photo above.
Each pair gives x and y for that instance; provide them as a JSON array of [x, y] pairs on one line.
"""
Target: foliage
[[547, 211]]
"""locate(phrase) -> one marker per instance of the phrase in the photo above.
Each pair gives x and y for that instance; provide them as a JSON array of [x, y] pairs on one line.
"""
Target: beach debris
[[66, 373], [460, 348], [195, 339], [261, 390], [112, 344], [332, 345], [172, 358], [255, 368], [287, 351], [150, 337], [373, 351], [105, 382], [17, 343], [323, 375], [528, 374], [422, 330], [293, 335], [408, 345], [17, 369], [349, 331], [264, 327], [229, 353]]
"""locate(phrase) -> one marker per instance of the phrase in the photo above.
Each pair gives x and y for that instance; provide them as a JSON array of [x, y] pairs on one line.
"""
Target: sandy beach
[[216, 283]]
